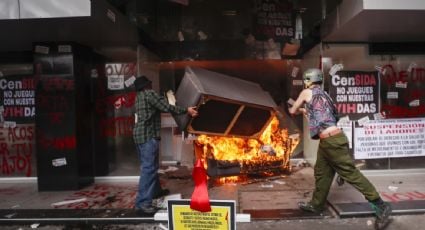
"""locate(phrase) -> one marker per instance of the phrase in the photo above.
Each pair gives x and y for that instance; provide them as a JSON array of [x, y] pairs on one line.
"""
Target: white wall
[[394, 4], [19, 9]]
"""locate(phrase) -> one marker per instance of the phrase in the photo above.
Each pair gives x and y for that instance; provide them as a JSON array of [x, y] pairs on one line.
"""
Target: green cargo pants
[[333, 157]]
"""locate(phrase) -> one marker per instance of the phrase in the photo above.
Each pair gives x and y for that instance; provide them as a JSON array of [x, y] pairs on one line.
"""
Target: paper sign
[[414, 103], [171, 98], [411, 67], [335, 68], [64, 49], [363, 120], [59, 162], [392, 95], [401, 84], [129, 81], [94, 73], [42, 49], [295, 71], [111, 15], [116, 82], [9, 124], [378, 116], [343, 121]]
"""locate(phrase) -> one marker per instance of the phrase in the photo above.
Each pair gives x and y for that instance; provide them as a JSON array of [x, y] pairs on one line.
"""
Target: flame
[[274, 143], [230, 179]]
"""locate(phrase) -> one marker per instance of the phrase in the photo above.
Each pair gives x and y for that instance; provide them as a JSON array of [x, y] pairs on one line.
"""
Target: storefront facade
[[77, 91]]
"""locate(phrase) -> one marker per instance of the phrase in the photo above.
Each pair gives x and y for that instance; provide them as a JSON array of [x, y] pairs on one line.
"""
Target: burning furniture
[[238, 129]]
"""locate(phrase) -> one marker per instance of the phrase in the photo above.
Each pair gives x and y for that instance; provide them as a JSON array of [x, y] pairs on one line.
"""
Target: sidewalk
[[271, 202]]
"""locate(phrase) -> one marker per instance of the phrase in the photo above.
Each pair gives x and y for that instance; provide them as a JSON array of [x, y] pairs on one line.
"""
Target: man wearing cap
[[146, 135], [332, 155]]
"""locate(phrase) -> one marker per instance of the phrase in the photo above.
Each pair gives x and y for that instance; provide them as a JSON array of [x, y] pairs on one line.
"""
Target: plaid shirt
[[149, 106]]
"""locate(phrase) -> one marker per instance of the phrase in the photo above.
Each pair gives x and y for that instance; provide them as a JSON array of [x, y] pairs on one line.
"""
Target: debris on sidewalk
[[279, 182], [369, 222], [168, 169], [302, 163], [162, 203], [163, 227], [35, 225], [393, 188], [8, 216], [266, 186], [60, 203]]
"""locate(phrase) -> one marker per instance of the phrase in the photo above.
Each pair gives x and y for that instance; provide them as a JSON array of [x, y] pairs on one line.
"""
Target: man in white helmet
[[333, 154]]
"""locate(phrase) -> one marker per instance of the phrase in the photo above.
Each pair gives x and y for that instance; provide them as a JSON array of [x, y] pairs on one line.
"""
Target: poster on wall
[[355, 93], [390, 138], [17, 99], [274, 19], [17, 131]]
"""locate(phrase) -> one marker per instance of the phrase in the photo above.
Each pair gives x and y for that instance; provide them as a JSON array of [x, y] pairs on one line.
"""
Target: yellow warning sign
[[221, 216]]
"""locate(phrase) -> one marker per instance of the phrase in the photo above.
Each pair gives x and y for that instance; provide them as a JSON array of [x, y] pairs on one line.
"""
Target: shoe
[[161, 193], [383, 212], [308, 207], [146, 210], [340, 181]]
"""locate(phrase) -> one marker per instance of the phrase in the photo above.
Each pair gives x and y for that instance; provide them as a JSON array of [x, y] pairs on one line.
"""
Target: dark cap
[[141, 82]]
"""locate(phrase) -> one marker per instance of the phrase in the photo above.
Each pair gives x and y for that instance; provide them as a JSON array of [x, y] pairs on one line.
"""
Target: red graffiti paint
[[403, 196], [57, 83], [20, 162], [396, 111], [110, 103], [56, 118], [59, 143], [16, 150], [391, 76], [9, 191], [104, 196], [20, 134], [412, 95], [49, 103]]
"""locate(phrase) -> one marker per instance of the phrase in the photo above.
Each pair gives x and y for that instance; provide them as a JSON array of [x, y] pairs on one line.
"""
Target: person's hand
[[192, 111]]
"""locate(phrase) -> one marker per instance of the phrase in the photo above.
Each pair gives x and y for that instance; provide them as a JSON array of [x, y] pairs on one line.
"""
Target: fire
[[274, 144]]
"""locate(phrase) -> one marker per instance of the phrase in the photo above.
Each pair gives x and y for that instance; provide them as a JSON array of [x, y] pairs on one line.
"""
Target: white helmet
[[313, 75]]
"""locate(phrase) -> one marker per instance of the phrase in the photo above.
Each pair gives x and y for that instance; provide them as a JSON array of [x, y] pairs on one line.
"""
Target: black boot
[[382, 211]]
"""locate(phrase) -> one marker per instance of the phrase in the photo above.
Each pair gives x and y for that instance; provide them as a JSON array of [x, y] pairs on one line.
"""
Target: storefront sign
[[390, 138], [182, 217]]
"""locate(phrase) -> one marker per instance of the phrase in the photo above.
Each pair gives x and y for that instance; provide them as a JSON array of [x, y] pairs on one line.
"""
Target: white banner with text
[[390, 138]]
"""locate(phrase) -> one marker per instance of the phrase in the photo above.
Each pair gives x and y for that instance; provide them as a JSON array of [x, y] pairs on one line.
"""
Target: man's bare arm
[[302, 98]]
